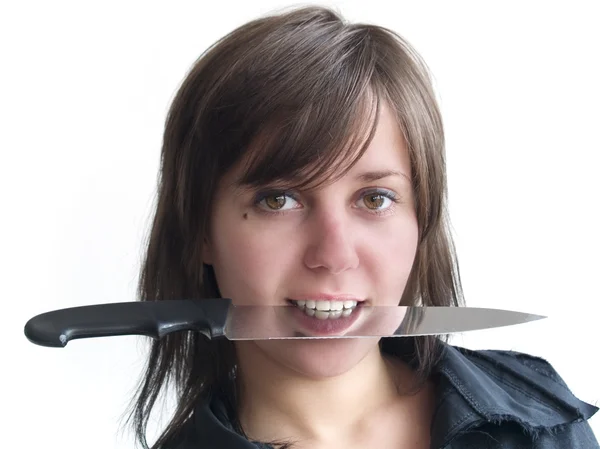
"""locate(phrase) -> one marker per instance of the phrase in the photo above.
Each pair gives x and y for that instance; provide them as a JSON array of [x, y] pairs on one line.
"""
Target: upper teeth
[[326, 305]]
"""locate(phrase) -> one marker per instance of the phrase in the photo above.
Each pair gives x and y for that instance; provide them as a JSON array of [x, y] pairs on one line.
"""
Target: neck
[[277, 402]]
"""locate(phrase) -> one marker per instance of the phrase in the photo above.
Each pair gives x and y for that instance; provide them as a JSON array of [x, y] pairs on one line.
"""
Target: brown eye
[[378, 200], [374, 200], [275, 201]]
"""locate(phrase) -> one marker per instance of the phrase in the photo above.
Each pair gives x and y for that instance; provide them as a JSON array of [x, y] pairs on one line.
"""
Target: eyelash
[[392, 196]]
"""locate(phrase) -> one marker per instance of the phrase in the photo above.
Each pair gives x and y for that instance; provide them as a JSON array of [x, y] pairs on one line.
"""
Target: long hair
[[297, 95]]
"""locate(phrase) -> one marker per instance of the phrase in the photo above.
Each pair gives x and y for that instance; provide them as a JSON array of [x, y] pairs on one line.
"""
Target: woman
[[303, 163]]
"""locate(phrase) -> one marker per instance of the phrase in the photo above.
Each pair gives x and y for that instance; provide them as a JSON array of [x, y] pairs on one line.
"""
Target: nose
[[331, 244]]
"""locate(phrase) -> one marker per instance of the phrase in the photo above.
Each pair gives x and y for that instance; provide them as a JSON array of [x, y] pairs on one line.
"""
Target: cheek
[[250, 263], [389, 259], [395, 241]]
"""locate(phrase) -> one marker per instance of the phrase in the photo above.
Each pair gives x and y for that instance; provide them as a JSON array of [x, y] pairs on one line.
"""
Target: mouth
[[326, 310]]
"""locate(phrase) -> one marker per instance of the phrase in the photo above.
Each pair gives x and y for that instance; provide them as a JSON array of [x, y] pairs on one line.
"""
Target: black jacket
[[485, 400]]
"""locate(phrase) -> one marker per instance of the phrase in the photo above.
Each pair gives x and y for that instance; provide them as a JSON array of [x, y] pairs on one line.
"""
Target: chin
[[318, 358]]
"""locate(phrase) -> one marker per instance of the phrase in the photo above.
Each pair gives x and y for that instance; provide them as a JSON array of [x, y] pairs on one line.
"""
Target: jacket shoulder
[[526, 389], [536, 373]]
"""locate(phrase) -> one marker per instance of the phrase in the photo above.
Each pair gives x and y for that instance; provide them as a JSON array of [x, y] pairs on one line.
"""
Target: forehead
[[375, 144], [388, 149]]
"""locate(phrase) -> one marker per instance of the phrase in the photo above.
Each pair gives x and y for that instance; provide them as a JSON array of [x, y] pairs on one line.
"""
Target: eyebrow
[[379, 174]]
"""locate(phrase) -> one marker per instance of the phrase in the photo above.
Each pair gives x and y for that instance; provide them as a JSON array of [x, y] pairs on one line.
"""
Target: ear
[[206, 252]]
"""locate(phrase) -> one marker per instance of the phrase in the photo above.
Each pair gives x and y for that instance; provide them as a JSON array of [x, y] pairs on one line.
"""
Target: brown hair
[[307, 86]]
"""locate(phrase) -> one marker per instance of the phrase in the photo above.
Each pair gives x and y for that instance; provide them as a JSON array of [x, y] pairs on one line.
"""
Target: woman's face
[[351, 240]]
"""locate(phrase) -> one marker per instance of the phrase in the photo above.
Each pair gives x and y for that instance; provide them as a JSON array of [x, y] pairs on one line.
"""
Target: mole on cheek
[[245, 216]]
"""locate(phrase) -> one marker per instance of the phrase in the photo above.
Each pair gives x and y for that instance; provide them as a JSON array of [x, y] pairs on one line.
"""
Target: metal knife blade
[[220, 318]]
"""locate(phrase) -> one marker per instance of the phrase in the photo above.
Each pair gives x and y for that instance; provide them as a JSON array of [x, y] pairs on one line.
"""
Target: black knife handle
[[150, 318]]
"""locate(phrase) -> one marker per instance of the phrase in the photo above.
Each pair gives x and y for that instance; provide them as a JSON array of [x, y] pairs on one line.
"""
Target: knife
[[220, 318]]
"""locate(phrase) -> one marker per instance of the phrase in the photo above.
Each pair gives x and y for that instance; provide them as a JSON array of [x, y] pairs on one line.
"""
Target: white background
[[84, 89]]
